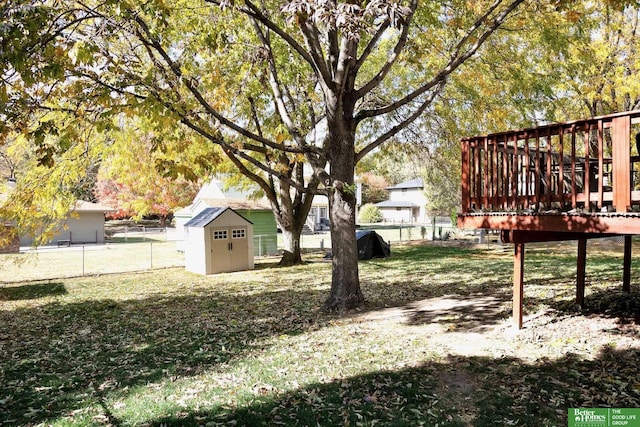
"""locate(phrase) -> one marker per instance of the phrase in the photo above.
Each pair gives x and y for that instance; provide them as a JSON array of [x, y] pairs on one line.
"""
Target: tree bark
[[291, 254], [291, 214], [345, 294]]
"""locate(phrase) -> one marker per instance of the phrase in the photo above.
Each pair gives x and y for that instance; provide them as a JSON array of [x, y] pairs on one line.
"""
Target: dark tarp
[[371, 245]]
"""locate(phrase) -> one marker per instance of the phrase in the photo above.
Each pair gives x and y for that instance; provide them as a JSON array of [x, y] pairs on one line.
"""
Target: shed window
[[219, 234], [238, 233]]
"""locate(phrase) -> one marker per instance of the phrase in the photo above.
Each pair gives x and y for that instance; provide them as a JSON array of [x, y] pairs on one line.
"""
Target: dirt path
[[480, 325]]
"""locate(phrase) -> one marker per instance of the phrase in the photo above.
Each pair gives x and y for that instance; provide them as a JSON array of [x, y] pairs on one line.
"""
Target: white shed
[[218, 240]]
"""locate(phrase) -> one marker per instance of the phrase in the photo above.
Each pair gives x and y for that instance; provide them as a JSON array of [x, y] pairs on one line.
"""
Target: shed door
[[220, 259], [239, 248], [229, 249]]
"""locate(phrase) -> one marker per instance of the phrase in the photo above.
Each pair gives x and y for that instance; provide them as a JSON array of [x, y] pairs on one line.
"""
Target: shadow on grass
[[464, 313], [471, 288], [459, 391], [613, 303], [459, 287], [31, 291], [57, 358]]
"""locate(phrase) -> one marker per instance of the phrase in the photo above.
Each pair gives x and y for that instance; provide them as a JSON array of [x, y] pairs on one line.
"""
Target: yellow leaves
[[280, 137], [4, 98], [573, 16], [281, 134]]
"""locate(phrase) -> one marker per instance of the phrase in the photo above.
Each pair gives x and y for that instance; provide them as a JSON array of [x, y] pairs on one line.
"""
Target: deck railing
[[591, 165]]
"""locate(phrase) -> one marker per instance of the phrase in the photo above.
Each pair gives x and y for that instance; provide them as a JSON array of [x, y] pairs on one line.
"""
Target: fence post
[[83, 260], [151, 255], [259, 245], [433, 229]]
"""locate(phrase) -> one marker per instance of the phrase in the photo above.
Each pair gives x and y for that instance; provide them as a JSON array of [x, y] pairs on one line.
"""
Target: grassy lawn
[[52, 262], [434, 345]]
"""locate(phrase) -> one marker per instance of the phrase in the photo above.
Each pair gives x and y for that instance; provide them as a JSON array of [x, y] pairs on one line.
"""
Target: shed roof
[[208, 215]]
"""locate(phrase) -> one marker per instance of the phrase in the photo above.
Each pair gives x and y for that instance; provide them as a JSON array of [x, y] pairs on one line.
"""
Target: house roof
[[212, 194], [413, 183], [261, 204], [208, 215], [397, 204], [84, 206]]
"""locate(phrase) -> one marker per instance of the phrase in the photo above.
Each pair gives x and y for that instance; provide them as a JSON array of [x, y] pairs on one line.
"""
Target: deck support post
[[581, 271], [518, 284], [626, 270]]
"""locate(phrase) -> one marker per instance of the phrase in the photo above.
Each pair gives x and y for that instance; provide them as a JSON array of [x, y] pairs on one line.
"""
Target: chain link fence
[[132, 249]]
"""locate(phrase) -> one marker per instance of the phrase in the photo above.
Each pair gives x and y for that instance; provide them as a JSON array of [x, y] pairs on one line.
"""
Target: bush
[[370, 213]]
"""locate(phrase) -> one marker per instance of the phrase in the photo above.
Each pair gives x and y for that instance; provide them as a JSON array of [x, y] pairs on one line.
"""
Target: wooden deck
[[607, 223], [565, 181]]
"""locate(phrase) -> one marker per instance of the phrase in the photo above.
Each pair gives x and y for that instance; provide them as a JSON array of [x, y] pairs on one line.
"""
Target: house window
[[323, 212], [219, 234], [238, 233]]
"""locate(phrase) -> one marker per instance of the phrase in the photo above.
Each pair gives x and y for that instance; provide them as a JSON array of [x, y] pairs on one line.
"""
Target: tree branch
[[403, 124], [391, 60], [191, 87], [456, 60], [310, 34], [372, 43], [235, 154], [274, 82], [253, 12]]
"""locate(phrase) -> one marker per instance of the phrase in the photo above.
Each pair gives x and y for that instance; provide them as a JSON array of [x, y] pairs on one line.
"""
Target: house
[[318, 218], [407, 203], [258, 212], [85, 224]]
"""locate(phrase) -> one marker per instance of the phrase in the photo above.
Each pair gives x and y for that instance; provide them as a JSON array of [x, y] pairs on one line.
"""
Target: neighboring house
[[85, 224], [318, 218], [407, 203], [258, 212]]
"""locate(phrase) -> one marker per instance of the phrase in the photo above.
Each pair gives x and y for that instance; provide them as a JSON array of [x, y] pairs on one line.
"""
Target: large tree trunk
[[291, 254], [345, 294]]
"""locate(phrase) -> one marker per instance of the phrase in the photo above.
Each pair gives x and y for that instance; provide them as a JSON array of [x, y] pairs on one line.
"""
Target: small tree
[[370, 213]]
